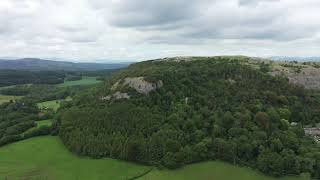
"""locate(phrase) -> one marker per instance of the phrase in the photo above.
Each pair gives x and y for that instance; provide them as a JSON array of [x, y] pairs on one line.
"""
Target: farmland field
[[83, 81], [44, 123], [47, 158], [54, 104], [4, 98]]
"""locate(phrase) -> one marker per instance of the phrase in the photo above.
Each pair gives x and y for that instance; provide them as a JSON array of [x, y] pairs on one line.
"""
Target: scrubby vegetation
[[207, 109], [19, 117]]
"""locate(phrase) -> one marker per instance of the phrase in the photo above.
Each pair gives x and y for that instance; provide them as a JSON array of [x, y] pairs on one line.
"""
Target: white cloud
[[144, 29]]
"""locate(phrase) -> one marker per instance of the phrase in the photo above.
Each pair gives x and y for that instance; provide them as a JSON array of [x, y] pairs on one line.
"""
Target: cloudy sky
[[93, 30]]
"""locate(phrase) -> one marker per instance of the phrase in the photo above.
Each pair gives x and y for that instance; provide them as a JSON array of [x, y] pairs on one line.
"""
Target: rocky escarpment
[[141, 85], [307, 76], [138, 83], [313, 132], [116, 95]]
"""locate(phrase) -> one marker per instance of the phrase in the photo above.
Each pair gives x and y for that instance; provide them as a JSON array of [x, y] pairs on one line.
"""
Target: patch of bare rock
[[306, 76], [138, 83]]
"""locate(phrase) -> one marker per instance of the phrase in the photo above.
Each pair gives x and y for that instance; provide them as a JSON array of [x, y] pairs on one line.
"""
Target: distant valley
[[170, 118], [35, 64]]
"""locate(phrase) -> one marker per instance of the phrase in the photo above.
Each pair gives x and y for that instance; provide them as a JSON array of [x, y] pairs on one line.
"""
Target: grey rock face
[[119, 95], [142, 86], [138, 83], [309, 77], [313, 132], [116, 95]]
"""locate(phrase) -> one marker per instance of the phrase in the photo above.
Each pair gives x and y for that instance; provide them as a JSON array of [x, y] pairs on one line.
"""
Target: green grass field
[[46, 158], [4, 98], [55, 104], [39, 124], [47, 122], [83, 81]]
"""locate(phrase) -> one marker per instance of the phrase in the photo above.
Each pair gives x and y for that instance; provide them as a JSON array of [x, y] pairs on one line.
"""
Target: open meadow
[[5, 98], [54, 104], [47, 122], [46, 158], [84, 81]]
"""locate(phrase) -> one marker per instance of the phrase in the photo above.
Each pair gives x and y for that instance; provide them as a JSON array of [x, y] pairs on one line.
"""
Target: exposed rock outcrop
[[307, 76], [141, 85], [314, 132], [178, 59], [116, 95], [138, 83]]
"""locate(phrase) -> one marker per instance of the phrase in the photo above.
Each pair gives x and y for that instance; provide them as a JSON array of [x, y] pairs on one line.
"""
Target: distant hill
[[43, 65], [288, 58]]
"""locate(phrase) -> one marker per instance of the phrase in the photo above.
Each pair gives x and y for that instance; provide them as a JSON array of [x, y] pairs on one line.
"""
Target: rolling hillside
[[177, 111], [46, 158], [45, 65]]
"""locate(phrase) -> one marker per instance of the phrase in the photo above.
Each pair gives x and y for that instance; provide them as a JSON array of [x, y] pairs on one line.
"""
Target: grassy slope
[[6, 87], [55, 104], [4, 98], [39, 124], [211, 171], [83, 81], [46, 158], [44, 123]]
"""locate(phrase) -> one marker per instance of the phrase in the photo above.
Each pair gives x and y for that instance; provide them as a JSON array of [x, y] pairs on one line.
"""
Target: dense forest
[[22, 77], [217, 108], [14, 77], [16, 118], [41, 92]]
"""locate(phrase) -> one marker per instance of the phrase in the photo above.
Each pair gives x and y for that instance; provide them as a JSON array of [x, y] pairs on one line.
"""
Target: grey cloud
[[71, 29], [175, 21], [139, 13], [254, 2], [83, 38], [152, 28]]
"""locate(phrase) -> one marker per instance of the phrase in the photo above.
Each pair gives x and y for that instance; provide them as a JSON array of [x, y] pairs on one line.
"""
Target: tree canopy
[[207, 109]]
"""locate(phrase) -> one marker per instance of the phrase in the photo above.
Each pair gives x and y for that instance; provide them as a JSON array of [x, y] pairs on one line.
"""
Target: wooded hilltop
[[176, 111]]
